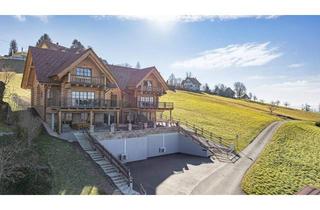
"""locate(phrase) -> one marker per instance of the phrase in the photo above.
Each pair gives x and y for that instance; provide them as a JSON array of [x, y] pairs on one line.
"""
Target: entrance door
[[112, 118], [113, 100]]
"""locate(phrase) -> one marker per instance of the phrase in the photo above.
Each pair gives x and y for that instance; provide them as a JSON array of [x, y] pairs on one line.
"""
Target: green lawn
[[228, 117], [4, 128], [223, 117], [73, 173], [288, 163]]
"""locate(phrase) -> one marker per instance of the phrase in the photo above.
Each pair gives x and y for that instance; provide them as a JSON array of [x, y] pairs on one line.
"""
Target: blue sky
[[276, 57]]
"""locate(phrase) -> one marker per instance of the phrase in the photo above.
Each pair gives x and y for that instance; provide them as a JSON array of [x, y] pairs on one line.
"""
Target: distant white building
[[191, 83]]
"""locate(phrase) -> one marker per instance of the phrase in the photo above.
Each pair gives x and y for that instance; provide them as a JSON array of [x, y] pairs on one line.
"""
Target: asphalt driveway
[[170, 174], [227, 179]]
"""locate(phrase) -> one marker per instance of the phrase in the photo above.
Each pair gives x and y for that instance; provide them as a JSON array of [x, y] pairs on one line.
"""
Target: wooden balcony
[[83, 103], [149, 105], [90, 81], [151, 90]]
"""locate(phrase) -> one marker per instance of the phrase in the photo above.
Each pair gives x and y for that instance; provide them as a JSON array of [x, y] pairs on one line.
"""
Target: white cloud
[[296, 65], [260, 77], [42, 18], [20, 18], [238, 55], [184, 18], [296, 92]]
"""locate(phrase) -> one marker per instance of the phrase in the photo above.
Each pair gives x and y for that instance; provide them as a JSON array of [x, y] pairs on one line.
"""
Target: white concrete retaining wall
[[141, 148]]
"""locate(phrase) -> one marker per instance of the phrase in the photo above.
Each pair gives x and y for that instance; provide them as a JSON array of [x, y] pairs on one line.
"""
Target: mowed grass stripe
[[288, 163], [222, 117]]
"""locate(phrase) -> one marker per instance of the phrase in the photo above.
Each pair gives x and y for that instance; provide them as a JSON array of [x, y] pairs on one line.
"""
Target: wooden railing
[[83, 103], [82, 80], [197, 130], [152, 105], [151, 90]]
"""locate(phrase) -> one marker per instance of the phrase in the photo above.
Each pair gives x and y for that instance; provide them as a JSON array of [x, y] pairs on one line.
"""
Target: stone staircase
[[119, 180]]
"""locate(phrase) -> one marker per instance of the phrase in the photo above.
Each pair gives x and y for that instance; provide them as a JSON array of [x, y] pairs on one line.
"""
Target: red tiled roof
[[49, 62], [309, 191], [128, 77]]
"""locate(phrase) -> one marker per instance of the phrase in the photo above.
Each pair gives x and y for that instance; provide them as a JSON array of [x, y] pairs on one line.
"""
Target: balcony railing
[[101, 103], [81, 80], [146, 89], [154, 105], [83, 103]]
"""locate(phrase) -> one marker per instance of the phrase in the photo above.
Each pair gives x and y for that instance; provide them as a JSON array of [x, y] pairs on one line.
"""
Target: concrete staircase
[[119, 180], [221, 152]]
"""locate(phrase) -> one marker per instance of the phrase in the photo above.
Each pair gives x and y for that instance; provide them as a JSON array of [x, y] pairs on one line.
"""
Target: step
[[108, 167], [103, 162], [120, 179]]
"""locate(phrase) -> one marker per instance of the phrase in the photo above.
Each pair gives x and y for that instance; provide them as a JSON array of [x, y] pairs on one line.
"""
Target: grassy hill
[[228, 117], [14, 86], [73, 173], [288, 163]]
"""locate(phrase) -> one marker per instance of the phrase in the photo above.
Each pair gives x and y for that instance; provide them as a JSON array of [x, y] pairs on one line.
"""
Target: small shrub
[[318, 123]]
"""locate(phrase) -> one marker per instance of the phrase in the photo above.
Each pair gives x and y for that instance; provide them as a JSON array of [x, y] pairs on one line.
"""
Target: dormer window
[[147, 84], [83, 72]]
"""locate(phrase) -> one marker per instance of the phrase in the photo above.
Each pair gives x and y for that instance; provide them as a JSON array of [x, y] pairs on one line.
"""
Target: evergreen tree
[[13, 47], [44, 37], [76, 44], [138, 65]]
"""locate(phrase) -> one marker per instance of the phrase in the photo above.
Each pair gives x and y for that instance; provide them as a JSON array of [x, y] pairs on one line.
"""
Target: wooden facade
[[85, 93]]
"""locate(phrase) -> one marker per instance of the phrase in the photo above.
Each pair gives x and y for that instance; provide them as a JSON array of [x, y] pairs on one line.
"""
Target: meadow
[[72, 172], [288, 163], [228, 117]]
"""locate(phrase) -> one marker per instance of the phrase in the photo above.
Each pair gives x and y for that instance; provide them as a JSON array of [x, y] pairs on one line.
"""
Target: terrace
[[69, 102]]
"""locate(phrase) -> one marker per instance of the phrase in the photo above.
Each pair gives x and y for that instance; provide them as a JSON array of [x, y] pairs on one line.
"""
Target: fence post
[[237, 138], [202, 131]]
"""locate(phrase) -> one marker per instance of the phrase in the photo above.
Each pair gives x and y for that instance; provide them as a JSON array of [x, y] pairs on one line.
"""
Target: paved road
[[226, 180]]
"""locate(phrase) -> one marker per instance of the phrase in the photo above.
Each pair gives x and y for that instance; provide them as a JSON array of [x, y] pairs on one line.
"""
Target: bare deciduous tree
[[306, 107], [6, 75], [240, 89], [255, 98], [286, 104], [272, 107]]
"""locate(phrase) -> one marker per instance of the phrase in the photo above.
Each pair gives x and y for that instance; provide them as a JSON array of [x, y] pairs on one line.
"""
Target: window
[[146, 101], [83, 72], [82, 98], [147, 84]]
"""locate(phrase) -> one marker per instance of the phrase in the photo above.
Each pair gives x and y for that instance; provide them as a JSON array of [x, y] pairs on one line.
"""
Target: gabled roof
[[192, 79], [131, 77], [48, 62], [51, 45]]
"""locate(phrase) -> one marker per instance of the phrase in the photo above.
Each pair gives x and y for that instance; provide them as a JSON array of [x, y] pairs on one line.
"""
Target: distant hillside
[[9, 64], [228, 117]]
